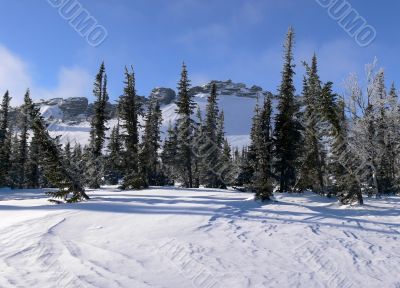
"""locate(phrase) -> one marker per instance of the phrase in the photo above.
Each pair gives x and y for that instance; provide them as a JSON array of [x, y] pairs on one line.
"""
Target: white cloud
[[16, 77], [72, 82]]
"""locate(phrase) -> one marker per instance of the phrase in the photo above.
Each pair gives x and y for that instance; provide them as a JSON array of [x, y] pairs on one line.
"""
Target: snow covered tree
[[149, 158], [213, 138], [130, 109], [54, 164], [5, 139], [185, 106], [287, 128], [169, 153], [77, 162], [22, 156], [311, 174], [114, 159], [262, 147], [199, 160], [99, 120], [33, 173]]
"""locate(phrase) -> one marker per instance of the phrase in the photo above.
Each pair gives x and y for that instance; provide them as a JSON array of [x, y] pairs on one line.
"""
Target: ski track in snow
[[171, 237]]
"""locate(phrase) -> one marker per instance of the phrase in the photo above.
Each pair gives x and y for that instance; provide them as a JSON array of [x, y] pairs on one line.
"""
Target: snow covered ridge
[[70, 117], [200, 238]]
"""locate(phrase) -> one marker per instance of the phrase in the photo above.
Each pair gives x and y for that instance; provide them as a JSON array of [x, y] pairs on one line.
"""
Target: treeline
[[194, 153], [338, 146]]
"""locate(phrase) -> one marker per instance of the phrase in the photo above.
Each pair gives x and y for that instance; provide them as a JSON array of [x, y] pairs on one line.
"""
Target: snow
[[171, 237], [238, 113]]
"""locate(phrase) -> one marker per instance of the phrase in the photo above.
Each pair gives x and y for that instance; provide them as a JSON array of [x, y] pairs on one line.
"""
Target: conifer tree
[[198, 148], [33, 170], [287, 128], [78, 165], [169, 153], [185, 106], [214, 137], [149, 158], [262, 147], [54, 164], [95, 167], [22, 156], [311, 172], [113, 170], [5, 138], [130, 109]]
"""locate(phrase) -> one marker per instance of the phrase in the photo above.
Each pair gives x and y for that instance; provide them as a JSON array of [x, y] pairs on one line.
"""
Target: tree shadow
[[219, 207]]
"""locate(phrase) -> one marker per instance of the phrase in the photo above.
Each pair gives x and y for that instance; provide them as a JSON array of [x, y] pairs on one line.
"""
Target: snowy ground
[[196, 238]]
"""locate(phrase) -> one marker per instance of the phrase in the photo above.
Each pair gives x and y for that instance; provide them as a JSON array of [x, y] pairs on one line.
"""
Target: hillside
[[70, 117]]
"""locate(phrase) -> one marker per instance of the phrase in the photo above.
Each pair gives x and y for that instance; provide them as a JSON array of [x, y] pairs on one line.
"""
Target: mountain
[[70, 118]]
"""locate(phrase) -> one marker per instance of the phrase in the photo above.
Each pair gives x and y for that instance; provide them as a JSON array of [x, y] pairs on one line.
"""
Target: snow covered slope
[[169, 237], [70, 118]]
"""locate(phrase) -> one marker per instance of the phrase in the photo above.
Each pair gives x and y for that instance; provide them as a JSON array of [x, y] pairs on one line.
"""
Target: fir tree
[[54, 164], [98, 129], [5, 147], [311, 173], [262, 147], [287, 128], [185, 108], [198, 148], [214, 137], [22, 157], [33, 167], [130, 109], [115, 158], [149, 158], [169, 153]]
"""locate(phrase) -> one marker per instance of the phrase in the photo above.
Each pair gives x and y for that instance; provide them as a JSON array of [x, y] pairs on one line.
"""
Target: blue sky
[[218, 39]]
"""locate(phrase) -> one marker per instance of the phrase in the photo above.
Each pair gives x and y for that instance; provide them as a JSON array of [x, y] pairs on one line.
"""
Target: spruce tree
[[130, 109], [95, 167], [169, 154], [22, 156], [287, 129], [5, 138], [343, 163], [55, 170], [311, 172], [214, 137], [149, 158], [33, 173], [198, 145], [262, 148], [113, 167], [185, 106]]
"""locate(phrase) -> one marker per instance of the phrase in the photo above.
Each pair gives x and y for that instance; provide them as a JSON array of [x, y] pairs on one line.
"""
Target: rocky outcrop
[[165, 96], [230, 88], [73, 107]]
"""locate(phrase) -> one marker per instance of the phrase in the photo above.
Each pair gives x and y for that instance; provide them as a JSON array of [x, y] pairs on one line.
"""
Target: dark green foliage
[[130, 109], [33, 173], [94, 169], [54, 165], [149, 158], [114, 159], [261, 146], [169, 154], [312, 166], [21, 160], [185, 125], [5, 140], [211, 148], [287, 128]]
